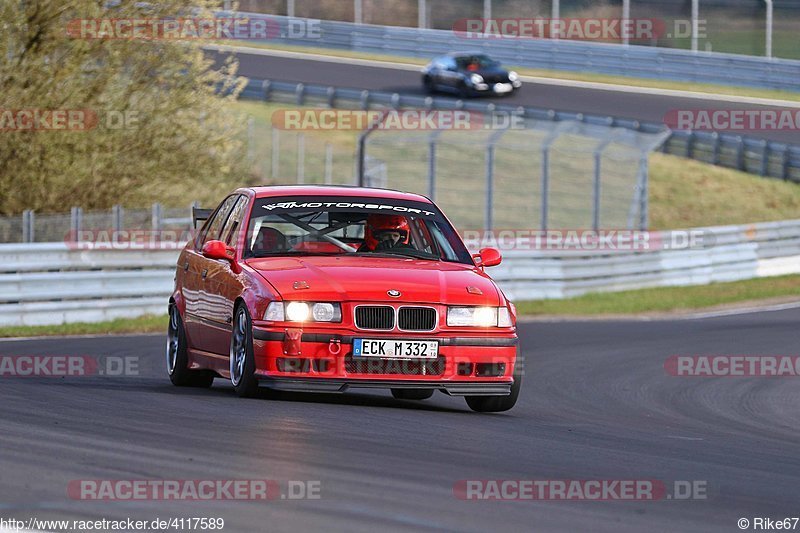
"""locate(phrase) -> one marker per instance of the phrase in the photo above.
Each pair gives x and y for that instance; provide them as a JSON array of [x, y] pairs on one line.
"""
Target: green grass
[[687, 194], [664, 299], [145, 324], [557, 74]]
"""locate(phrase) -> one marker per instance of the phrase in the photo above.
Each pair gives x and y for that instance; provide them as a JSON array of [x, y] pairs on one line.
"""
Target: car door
[[200, 316], [449, 76], [223, 285]]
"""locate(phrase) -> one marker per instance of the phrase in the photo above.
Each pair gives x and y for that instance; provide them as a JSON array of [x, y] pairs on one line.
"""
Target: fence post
[[545, 183], [75, 221], [331, 92], [301, 158], [155, 217], [432, 164], [422, 11], [266, 90], [358, 11], [365, 100], [299, 92], [598, 158], [361, 159], [27, 226], [116, 213], [764, 158], [740, 162], [643, 193], [276, 154], [250, 140], [328, 163], [489, 207]]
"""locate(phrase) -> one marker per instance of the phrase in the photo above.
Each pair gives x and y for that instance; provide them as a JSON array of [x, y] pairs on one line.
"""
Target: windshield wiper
[[405, 253], [286, 253]]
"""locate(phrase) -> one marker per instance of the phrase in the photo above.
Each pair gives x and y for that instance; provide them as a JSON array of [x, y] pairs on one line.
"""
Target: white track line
[[692, 95]]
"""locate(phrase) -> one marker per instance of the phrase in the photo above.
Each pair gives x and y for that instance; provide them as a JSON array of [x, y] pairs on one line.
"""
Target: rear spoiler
[[199, 216]]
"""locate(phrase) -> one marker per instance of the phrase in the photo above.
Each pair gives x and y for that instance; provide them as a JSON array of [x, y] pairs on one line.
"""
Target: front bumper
[[338, 385], [295, 359], [496, 88]]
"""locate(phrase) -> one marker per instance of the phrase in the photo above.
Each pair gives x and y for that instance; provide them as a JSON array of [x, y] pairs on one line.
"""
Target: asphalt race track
[[644, 107], [596, 404]]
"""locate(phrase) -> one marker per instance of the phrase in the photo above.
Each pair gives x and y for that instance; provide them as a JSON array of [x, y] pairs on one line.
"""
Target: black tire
[[178, 356], [242, 361], [412, 394], [498, 404]]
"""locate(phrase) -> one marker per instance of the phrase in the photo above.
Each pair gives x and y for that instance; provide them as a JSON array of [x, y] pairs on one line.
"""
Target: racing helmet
[[377, 224]]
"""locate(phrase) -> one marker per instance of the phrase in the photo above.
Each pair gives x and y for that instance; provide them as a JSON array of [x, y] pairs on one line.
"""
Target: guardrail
[[756, 156], [56, 283], [554, 54]]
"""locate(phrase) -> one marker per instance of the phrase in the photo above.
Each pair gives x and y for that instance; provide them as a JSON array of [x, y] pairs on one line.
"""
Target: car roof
[[336, 190], [468, 53]]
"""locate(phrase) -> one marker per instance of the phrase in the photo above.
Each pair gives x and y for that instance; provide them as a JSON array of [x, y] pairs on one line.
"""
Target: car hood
[[492, 72], [344, 278]]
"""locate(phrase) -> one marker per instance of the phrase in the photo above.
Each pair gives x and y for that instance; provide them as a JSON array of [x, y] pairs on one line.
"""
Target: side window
[[214, 224], [234, 224]]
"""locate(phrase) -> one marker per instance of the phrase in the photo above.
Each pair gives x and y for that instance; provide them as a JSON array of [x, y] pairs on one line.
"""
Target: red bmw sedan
[[324, 289]]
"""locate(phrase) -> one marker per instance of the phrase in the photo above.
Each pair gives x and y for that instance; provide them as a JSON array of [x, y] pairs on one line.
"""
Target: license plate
[[395, 349], [503, 88]]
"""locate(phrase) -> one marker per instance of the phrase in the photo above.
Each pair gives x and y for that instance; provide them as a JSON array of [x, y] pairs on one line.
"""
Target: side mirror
[[219, 250], [489, 257]]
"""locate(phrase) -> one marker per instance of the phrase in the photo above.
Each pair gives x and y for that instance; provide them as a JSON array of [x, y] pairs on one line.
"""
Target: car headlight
[[482, 317], [476, 79], [513, 76], [303, 311]]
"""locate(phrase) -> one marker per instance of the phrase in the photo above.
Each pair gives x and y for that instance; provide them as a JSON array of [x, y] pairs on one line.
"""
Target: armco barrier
[[53, 283], [603, 58]]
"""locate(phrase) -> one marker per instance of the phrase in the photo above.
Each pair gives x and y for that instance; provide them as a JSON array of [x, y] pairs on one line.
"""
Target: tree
[[157, 116]]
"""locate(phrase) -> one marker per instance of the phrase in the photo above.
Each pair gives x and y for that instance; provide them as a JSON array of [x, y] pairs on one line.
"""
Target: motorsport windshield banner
[[306, 204]]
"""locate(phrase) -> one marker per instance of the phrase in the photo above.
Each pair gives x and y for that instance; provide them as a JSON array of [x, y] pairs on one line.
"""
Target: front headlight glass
[[513, 76], [297, 311], [303, 312], [476, 78], [472, 316]]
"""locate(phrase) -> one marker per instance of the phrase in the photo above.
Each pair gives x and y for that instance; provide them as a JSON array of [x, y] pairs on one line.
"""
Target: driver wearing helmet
[[384, 232]]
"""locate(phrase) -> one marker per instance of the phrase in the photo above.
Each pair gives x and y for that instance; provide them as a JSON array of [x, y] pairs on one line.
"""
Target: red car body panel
[[207, 291]]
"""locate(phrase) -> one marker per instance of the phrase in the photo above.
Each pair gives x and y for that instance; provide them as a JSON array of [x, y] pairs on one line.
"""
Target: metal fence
[[42, 284], [548, 174], [553, 54], [757, 156], [32, 227]]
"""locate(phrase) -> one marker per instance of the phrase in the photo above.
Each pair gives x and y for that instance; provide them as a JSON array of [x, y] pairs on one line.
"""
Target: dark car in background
[[469, 74]]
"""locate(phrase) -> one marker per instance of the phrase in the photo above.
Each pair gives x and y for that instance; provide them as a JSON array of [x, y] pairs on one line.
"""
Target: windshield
[[371, 227], [476, 62]]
